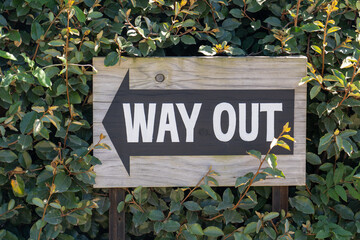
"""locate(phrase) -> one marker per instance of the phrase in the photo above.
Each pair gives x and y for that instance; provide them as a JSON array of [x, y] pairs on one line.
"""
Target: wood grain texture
[[213, 73]]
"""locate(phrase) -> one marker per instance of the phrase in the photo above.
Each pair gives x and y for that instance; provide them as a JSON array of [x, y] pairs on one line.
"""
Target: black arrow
[[205, 141]]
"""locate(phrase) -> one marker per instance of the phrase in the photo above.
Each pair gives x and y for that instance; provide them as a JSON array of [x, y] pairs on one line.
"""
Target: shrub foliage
[[46, 162]]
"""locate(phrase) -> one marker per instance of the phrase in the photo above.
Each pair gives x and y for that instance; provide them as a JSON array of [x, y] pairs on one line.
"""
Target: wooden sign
[[167, 120]]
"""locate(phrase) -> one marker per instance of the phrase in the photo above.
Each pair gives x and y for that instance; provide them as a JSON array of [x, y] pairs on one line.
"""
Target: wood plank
[[198, 73], [280, 198], [116, 220]]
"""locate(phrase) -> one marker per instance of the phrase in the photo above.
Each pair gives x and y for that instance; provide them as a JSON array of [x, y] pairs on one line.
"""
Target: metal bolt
[[160, 77]]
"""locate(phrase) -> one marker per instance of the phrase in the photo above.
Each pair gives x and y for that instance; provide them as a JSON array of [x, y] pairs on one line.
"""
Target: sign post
[[169, 119]]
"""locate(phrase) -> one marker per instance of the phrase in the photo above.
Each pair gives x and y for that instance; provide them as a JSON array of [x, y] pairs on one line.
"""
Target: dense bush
[[46, 166]]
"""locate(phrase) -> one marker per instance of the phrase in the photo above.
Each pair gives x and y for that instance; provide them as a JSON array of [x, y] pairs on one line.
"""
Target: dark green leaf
[[111, 59], [213, 231], [302, 204]]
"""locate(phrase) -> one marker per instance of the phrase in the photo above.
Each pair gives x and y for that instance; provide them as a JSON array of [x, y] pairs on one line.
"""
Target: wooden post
[[116, 220], [280, 198]]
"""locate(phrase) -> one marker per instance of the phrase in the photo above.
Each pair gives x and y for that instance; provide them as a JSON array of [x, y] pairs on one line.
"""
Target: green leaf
[[36, 31], [315, 91], [231, 24], [255, 25], [302, 204], [7, 156], [213, 231], [344, 211], [79, 14], [209, 191], [271, 160], [241, 181], [313, 158], [273, 21], [310, 27], [7, 55], [25, 141], [333, 29], [325, 139], [196, 229], [18, 186], [192, 206], [156, 215], [38, 126], [53, 217], [188, 23], [316, 49], [111, 59], [241, 236], [236, 12], [120, 206], [95, 14], [255, 154], [62, 182], [38, 202], [57, 43], [171, 226], [270, 215], [187, 39], [11, 204], [74, 98], [341, 192], [250, 228], [232, 216], [42, 78], [207, 50]]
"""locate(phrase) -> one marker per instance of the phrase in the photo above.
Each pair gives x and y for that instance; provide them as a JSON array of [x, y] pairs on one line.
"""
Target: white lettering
[[167, 113], [219, 109], [189, 122], [252, 135], [133, 128], [270, 109]]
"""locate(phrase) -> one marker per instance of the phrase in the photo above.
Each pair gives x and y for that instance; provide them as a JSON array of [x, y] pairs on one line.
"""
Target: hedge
[[46, 162]]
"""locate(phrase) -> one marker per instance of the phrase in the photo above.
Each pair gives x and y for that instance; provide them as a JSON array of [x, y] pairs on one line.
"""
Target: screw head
[[160, 77]]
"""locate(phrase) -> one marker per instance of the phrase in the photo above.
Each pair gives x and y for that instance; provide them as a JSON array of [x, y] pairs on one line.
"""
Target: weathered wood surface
[[197, 73], [116, 220], [280, 198]]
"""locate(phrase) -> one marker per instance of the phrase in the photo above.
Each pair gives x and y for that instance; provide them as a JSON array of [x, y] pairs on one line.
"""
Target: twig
[[297, 12]]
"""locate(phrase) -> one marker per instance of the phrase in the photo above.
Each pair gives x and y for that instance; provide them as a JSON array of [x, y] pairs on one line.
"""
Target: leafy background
[[46, 165]]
